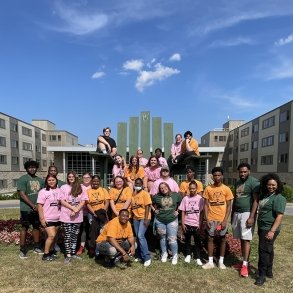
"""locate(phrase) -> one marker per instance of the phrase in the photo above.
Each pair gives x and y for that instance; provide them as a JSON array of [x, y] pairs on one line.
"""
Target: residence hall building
[[266, 143]]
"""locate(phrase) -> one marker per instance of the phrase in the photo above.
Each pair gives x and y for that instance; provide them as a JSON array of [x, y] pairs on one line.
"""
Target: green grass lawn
[[35, 275]]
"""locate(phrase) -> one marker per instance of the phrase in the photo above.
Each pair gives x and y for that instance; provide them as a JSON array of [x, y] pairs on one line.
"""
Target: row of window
[[26, 146], [15, 160]]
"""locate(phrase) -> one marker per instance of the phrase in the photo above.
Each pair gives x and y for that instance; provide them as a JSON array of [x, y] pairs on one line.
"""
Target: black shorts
[[53, 224], [29, 218]]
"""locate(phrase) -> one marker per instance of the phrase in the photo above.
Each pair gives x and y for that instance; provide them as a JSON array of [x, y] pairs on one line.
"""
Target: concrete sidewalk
[[9, 204]]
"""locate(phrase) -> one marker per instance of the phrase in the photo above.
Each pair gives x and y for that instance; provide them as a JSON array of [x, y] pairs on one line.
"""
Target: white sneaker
[[175, 259], [164, 257], [187, 258], [222, 266], [198, 262], [137, 260], [147, 263], [208, 266]]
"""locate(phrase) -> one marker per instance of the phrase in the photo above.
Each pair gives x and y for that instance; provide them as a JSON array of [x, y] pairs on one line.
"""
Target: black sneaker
[[53, 253], [23, 254], [47, 257]]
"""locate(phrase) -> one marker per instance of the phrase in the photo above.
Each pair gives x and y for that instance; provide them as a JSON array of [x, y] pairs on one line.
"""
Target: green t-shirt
[[60, 183], [30, 186], [167, 206], [244, 191], [269, 208]]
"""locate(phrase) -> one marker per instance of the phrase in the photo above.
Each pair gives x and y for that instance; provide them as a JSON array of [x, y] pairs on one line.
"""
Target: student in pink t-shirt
[[72, 199], [191, 219], [151, 173], [49, 214]]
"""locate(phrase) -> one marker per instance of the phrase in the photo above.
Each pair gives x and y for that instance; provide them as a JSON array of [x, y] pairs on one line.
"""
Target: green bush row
[[5, 196]]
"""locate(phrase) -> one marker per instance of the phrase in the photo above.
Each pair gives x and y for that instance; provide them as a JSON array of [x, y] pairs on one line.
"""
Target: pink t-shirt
[[117, 171], [192, 206], [49, 200], [170, 181], [143, 162], [176, 149], [74, 201], [152, 174], [163, 161]]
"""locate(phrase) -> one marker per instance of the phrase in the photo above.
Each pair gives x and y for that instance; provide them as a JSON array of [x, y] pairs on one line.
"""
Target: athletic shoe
[[38, 250], [222, 266], [175, 259], [147, 263], [208, 266], [67, 260], [187, 258], [74, 256], [239, 265], [198, 262], [244, 272], [164, 257], [80, 250], [47, 257], [22, 254], [53, 253]]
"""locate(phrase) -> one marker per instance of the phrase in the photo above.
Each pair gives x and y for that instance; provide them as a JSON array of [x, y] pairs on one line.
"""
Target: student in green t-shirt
[[270, 214], [28, 187]]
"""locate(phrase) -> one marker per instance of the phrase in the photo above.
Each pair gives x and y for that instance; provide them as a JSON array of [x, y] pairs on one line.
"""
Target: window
[[44, 137], [245, 132], [44, 163], [3, 141], [26, 159], [3, 183], [59, 137], [253, 161], [254, 145], [14, 160], [2, 123], [266, 160], [244, 147], [14, 143], [230, 151], [283, 137], [235, 163], [216, 138], [44, 150], [3, 159], [38, 148], [13, 127], [284, 116], [244, 160], [14, 182], [283, 158], [27, 146], [26, 131], [231, 137], [254, 128], [37, 135], [52, 138], [268, 122], [267, 141], [236, 149], [222, 138]]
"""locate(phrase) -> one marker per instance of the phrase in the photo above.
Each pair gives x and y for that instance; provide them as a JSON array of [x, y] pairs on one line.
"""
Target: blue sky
[[88, 64]]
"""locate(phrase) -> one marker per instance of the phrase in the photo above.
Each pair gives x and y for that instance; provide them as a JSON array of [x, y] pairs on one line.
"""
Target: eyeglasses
[[165, 170]]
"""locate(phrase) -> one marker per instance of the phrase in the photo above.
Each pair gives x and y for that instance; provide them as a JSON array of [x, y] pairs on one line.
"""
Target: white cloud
[[232, 42], [98, 75], [282, 71], [175, 57], [134, 64], [284, 41], [148, 78]]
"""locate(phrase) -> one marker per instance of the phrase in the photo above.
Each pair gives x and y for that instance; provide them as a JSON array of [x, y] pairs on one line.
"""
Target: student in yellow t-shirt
[[141, 206], [120, 195], [217, 209], [133, 171], [97, 205], [116, 239], [184, 185]]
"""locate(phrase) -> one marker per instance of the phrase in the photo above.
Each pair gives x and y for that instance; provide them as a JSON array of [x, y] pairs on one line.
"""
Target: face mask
[[137, 188]]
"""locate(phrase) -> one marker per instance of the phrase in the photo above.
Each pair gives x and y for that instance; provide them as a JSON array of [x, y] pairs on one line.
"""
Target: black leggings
[[192, 231]]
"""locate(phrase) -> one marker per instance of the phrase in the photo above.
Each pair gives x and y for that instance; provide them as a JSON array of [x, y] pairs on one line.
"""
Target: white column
[[93, 166], [207, 170], [64, 166]]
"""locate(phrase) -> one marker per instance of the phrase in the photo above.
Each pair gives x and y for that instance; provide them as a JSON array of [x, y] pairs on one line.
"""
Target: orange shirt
[[97, 198], [193, 144], [125, 195], [133, 174], [116, 230], [184, 186], [138, 203], [217, 197]]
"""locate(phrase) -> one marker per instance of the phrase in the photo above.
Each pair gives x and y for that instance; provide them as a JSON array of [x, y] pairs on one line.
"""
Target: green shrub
[[5, 196], [288, 193]]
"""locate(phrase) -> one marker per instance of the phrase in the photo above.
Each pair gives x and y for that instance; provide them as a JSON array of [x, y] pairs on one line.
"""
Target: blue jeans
[[167, 232], [142, 245]]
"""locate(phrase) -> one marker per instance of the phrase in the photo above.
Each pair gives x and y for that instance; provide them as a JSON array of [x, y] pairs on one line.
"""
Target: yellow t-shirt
[[184, 187], [132, 174], [116, 230], [217, 197], [138, 203], [193, 144], [97, 197], [126, 195]]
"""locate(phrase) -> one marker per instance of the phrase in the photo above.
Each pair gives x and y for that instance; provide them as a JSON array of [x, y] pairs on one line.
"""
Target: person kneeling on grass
[[217, 210], [116, 240]]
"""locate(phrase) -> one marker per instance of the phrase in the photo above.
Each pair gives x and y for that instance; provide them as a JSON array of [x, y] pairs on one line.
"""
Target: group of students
[[138, 201]]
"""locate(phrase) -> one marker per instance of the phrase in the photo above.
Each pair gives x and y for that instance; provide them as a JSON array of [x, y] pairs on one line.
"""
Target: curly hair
[[266, 178]]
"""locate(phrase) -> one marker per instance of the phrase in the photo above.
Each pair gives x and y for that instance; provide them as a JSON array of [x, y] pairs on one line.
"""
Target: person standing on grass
[[49, 214], [271, 210], [141, 209], [191, 220], [217, 209], [72, 200], [28, 187], [244, 212]]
